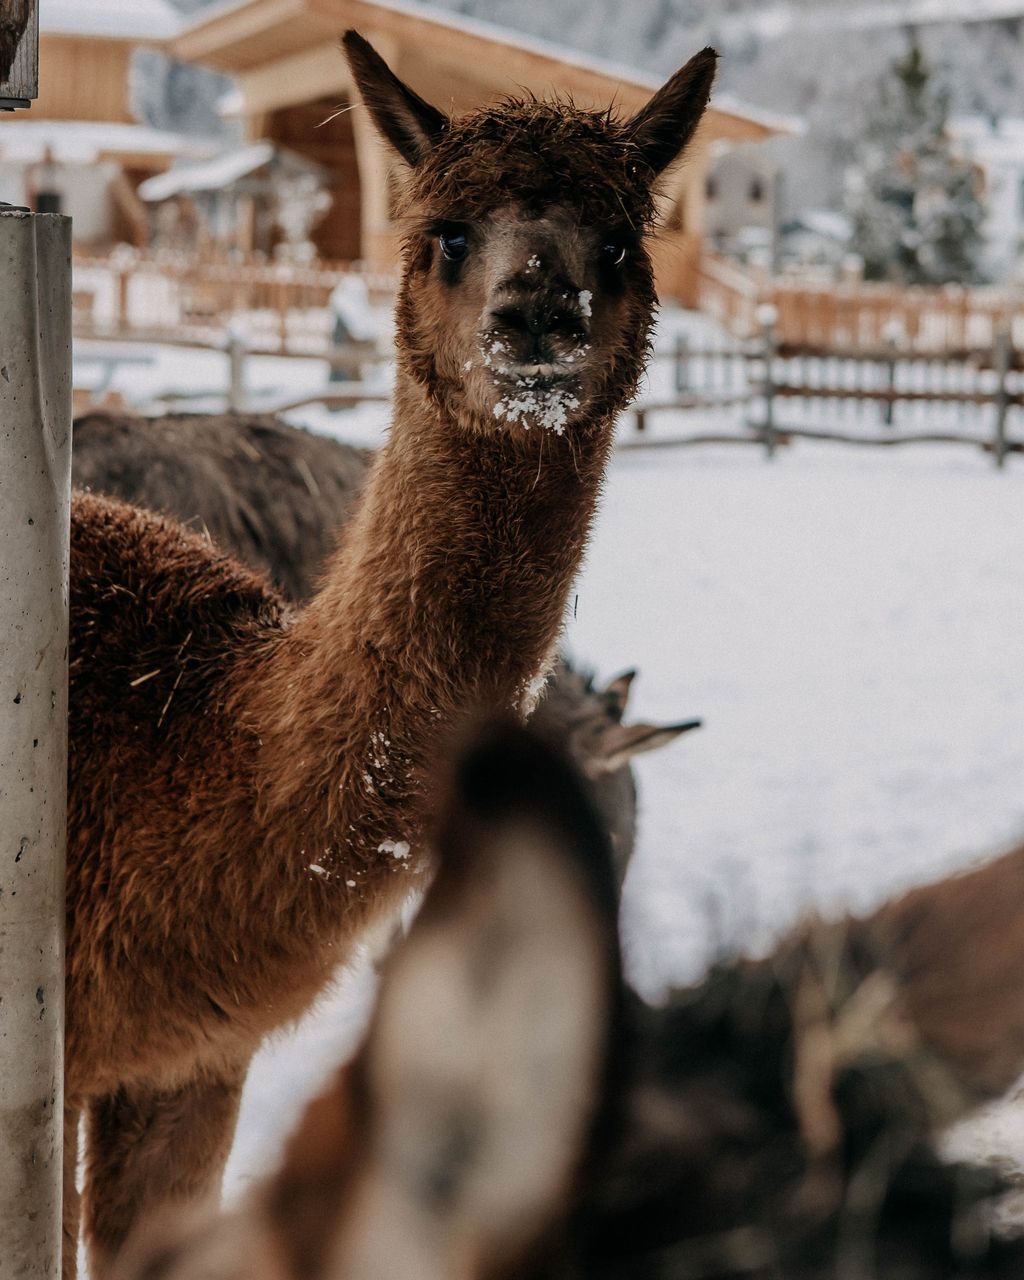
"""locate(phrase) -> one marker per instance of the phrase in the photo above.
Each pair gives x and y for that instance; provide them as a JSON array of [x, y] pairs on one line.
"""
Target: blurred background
[[812, 529], [221, 184]]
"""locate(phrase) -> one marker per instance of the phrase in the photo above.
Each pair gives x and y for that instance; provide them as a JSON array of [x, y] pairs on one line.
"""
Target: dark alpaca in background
[[276, 496], [271, 494], [514, 1111]]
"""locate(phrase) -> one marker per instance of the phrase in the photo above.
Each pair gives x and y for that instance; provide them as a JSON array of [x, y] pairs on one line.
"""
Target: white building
[[997, 148]]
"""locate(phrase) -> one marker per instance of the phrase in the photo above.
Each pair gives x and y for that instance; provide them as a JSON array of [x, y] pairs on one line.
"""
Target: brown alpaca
[[777, 1120], [275, 495], [246, 783]]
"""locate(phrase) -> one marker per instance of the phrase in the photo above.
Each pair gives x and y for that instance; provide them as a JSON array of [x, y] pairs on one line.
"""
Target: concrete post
[[35, 463]]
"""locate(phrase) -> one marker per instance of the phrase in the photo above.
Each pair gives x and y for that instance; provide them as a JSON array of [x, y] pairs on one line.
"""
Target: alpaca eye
[[454, 245], [613, 253]]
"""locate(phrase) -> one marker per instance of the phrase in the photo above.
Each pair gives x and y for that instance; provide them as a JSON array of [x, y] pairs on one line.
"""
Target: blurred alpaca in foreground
[[516, 1112]]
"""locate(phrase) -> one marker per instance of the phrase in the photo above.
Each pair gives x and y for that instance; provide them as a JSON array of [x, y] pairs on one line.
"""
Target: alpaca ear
[[485, 1063], [620, 743], [663, 129], [616, 693], [409, 123]]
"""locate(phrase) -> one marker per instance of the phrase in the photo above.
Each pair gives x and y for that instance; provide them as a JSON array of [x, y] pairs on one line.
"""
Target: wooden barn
[[293, 90]]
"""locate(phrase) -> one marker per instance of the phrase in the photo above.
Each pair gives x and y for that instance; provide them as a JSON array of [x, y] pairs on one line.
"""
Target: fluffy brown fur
[[274, 495], [246, 785], [267, 492], [779, 1119]]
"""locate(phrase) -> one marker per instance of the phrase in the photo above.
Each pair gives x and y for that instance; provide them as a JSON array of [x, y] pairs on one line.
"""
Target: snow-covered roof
[[823, 222], [220, 171], [84, 141], [146, 20]]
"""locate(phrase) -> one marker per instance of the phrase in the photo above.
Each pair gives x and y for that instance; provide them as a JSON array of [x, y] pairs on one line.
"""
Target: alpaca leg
[[72, 1206], [146, 1147]]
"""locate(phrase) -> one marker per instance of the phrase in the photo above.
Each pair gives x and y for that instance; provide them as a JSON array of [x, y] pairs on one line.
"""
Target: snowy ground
[[850, 624]]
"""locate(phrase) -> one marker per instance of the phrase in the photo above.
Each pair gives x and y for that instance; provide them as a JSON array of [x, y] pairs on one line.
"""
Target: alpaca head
[[528, 293]]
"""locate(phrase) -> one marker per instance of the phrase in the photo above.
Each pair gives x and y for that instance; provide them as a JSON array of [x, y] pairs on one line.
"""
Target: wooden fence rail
[[286, 304], [858, 349], [167, 297], [759, 375], [859, 315]]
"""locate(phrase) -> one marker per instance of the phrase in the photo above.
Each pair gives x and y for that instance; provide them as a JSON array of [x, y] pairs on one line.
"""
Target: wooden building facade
[[81, 149], [293, 90]]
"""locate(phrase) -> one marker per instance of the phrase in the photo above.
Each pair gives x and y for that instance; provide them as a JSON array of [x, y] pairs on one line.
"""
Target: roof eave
[[226, 37]]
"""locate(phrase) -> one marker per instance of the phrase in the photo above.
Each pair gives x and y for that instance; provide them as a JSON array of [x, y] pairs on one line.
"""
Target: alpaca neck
[[447, 596], [463, 553]]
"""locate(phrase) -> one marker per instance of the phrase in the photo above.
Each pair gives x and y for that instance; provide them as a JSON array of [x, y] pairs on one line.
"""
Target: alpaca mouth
[[536, 377]]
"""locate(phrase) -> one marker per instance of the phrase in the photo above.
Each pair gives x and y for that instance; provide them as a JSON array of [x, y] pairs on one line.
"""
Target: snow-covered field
[[849, 623]]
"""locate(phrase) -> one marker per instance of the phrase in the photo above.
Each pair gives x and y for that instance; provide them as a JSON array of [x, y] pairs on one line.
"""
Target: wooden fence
[[772, 392], [901, 366], [171, 297], [163, 296], [859, 316]]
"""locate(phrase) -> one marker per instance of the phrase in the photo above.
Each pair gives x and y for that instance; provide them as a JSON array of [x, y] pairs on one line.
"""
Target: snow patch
[[399, 849], [586, 298], [549, 407], [497, 347]]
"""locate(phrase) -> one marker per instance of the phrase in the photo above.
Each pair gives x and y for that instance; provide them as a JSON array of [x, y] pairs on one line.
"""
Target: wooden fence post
[[35, 486], [892, 341], [238, 349], [767, 316], [19, 55], [1003, 361], [124, 316], [682, 371]]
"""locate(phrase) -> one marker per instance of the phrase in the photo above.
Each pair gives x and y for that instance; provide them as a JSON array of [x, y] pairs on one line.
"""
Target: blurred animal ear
[[664, 127], [409, 123], [616, 694], [618, 744], [485, 1064]]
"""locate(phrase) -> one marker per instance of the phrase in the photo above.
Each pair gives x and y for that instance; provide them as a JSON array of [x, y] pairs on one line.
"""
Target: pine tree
[[917, 215]]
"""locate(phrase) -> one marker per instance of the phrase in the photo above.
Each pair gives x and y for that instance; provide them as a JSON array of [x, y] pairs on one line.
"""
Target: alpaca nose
[[533, 320]]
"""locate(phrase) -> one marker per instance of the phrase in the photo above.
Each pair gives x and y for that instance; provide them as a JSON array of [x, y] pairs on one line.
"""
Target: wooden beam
[[376, 162], [320, 72], [219, 41], [19, 56]]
